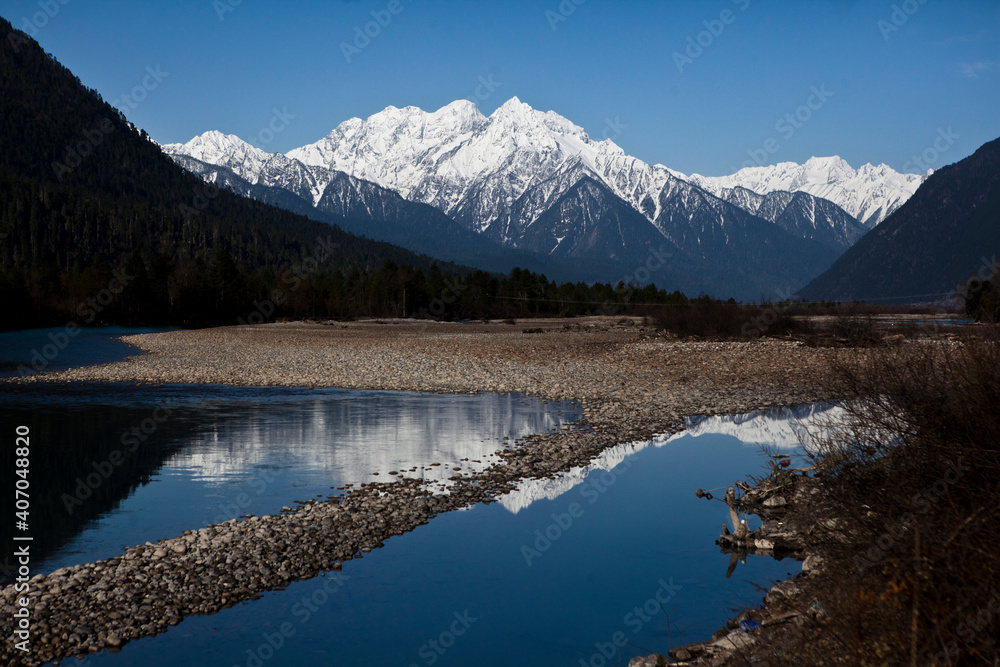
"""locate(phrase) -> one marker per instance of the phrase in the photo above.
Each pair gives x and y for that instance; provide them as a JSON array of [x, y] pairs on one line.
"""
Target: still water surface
[[30, 351]]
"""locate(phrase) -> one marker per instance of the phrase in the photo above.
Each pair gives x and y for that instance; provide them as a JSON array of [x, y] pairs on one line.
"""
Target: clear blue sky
[[896, 72]]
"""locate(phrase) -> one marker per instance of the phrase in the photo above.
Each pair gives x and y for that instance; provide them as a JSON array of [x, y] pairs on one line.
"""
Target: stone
[[812, 563], [681, 654]]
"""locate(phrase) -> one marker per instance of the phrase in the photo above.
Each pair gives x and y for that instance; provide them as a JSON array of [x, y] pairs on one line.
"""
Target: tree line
[[164, 289]]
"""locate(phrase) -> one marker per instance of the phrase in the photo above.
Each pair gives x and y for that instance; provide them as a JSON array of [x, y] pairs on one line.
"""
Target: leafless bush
[[908, 517], [858, 330], [727, 320]]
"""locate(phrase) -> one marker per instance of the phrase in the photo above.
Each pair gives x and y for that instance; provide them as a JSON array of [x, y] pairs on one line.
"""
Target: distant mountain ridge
[[870, 193], [356, 205], [503, 178]]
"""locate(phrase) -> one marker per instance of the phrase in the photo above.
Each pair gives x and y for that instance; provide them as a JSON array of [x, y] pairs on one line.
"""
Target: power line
[[631, 303]]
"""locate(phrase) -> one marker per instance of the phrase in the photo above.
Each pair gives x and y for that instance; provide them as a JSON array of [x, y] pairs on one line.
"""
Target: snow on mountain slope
[[869, 193], [475, 168], [478, 169], [801, 214], [354, 204], [256, 166]]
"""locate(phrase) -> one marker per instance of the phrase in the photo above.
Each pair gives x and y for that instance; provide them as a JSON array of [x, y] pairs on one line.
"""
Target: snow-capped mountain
[[869, 193], [356, 205], [476, 168], [497, 174], [258, 167], [535, 183]]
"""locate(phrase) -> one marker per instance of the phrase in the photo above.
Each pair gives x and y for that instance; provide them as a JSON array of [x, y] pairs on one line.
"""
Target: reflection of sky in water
[[29, 351]]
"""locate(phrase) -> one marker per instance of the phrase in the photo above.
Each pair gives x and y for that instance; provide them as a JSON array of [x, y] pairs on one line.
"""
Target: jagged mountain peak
[[928, 249], [440, 157], [829, 162], [513, 106], [214, 145], [524, 116], [464, 109], [869, 193]]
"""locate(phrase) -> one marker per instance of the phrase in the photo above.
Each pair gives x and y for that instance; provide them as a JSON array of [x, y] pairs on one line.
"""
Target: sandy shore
[[631, 381]]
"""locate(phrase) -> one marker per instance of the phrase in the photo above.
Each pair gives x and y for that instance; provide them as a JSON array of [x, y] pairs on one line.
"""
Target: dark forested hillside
[[948, 232]]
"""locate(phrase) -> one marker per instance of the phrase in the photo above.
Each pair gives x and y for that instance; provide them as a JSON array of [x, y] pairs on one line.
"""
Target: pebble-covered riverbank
[[631, 382]]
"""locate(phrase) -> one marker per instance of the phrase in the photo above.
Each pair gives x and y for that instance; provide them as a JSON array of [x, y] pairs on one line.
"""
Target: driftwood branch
[[739, 528]]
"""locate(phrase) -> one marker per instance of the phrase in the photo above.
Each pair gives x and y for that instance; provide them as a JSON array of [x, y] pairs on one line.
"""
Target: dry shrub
[[858, 330], [912, 481], [727, 320]]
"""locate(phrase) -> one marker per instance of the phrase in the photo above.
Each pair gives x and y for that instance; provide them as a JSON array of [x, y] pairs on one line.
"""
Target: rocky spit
[[632, 382]]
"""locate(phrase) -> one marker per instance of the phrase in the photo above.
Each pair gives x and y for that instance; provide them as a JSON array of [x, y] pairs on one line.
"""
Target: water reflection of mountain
[[219, 435], [783, 428], [350, 439], [775, 427], [533, 490]]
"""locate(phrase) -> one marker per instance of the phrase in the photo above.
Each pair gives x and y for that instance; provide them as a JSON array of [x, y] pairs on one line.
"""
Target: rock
[[681, 654], [787, 589], [763, 543], [734, 641], [812, 563], [653, 660], [113, 639]]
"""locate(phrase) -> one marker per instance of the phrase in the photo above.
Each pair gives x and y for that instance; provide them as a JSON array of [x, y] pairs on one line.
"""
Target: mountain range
[[870, 193], [530, 187], [89, 198]]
